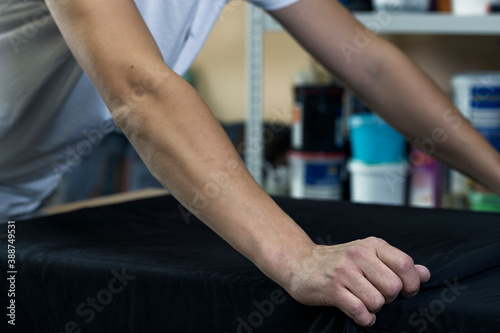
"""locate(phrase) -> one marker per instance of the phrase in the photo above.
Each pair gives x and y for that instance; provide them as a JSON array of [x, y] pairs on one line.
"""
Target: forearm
[[187, 150], [411, 102]]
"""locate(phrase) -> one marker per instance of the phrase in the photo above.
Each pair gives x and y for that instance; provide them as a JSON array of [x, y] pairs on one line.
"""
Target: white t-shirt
[[51, 116]]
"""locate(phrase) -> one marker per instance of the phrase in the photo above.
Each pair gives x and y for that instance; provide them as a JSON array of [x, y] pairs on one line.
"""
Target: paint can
[[382, 183], [317, 119], [316, 175], [477, 96], [472, 7], [402, 5], [374, 141]]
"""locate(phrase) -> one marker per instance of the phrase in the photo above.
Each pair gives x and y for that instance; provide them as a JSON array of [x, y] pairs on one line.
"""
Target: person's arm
[[187, 150], [392, 85]]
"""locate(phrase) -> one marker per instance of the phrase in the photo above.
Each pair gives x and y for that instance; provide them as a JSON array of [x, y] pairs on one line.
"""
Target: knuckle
[[374, 240], [356, 251], [405, 264], [378, 303], [342, 269], [412, 288], [394, 288], [356, 308]]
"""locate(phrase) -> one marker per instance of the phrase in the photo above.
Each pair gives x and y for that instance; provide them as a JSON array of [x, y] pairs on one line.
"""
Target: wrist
[[281, 259]]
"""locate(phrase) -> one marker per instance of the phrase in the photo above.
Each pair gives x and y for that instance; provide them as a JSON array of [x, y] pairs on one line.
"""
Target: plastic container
[[443, 6], [317, 119], [378, 183], [374, 141], [426, 182], [316, 175], [402, 5], [358, 5], [477, 95], [484, 202], [472, 7]]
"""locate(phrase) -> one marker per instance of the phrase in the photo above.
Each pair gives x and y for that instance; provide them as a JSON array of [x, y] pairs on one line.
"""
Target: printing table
[[147, 266]]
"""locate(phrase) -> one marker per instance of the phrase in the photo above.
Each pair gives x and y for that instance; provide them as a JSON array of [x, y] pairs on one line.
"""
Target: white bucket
[[463, 90], [477, 96], [378, 183], [471, 7], [402, 5], [316, 175]]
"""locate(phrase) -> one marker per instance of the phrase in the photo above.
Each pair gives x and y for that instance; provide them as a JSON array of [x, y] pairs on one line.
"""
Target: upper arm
[[333, 36], [111, 42]]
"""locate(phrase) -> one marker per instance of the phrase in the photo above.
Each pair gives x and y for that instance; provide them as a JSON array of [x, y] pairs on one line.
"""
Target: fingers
[[358, 277], [402, 265], [424, 273], [384, 279], [355, 308], [360, 287]]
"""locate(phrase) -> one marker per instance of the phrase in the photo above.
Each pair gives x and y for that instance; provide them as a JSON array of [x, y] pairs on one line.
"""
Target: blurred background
[[320, 141]]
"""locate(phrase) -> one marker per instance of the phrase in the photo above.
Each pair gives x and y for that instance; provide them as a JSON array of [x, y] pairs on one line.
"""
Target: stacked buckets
[[477, 95], [378, 168], [317, 157]]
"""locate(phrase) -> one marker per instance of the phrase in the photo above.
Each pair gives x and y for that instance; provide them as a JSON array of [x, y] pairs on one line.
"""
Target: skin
[[186, 149]]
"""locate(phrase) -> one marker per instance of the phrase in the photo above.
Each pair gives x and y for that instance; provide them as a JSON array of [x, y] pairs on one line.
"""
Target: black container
[[358, 5], [317, 122]]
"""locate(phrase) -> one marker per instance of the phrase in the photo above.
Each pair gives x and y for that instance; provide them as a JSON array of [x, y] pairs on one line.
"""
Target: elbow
[[126, 115], [130, 96], [123, 115]]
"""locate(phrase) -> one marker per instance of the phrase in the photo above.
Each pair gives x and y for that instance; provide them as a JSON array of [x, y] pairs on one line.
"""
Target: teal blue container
[[374, 141]]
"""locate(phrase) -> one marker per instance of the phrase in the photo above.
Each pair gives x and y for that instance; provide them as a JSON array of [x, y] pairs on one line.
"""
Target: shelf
[[425, 24]]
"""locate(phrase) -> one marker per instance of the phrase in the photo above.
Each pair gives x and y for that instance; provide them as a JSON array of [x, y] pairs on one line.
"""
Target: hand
[[357, 277]]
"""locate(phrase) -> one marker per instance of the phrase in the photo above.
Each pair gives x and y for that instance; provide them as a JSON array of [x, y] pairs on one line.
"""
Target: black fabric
[[178, 276]]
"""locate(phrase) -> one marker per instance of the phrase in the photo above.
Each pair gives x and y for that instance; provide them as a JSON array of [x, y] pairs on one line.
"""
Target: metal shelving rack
[[259, 23], [254, 152], [408, 24]]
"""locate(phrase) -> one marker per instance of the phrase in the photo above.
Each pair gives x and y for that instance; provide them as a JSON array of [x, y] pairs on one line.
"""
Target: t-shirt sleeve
[[273, 4]]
